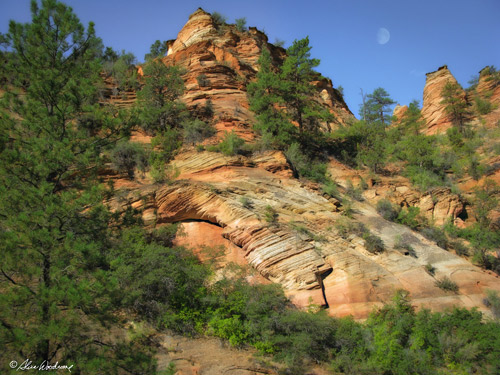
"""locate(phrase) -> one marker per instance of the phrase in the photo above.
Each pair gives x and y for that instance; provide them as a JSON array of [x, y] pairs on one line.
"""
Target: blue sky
[[424, 34]]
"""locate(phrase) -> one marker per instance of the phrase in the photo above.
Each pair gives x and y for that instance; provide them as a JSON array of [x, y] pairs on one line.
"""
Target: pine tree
[[377, 108], [455, 105], [54, 230], [298, 93], [158, 100], [285, 95], [265, 101]]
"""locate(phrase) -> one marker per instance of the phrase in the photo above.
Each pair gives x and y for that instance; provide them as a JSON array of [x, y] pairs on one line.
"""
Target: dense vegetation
[[71, 267]]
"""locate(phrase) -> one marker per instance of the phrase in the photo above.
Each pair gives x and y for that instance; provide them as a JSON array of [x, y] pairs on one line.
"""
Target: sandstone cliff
[[433, 112], [226, 60], [283, 228]]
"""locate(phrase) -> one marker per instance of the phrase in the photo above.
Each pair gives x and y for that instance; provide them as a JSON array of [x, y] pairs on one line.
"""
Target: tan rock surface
[[228, 59], [208, 201], [433, 111]]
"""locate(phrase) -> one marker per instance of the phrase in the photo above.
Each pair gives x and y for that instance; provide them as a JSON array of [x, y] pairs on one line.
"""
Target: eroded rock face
[[301, 248], [437, 121], [399, 112], [220, 61], [489, 90]]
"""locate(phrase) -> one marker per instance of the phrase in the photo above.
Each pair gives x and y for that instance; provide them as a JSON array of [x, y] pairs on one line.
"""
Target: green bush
[[330, 188], [354, 192], [195, 131], [483, 107], [430, 269], [459, 247], [270, 214], [447, 284], [203, 80], [437, 235], [422, 178], [246, 202], [126, 156], [219, 19], [410, 217], [387, 210], [345, 227], [303, 166], [231, 144], [400, 243], [241, 24], [373, 243], [493, 302]]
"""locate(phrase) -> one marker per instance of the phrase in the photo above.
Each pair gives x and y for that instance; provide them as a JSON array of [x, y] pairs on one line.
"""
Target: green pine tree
[[298, 92], [377, 108], [265, 101], [56, 291], [158, 101], [455, 105]]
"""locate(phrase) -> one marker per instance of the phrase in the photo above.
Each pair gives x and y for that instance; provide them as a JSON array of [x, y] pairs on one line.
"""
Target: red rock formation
[[399, 112], [227, 58], [432, 110]]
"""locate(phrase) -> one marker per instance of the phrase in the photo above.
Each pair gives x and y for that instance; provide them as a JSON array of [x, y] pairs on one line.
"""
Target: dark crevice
[[200, 221], [321, 277], [463, 214]]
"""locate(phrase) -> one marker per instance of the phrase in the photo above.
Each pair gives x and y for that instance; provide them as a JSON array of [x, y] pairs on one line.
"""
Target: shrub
[[447, 284], [410, 217], [459, 247], [493, 302], [430, 269], [219, 19], [231, 144], [127, 156], [208, 109], [355, 193], [345, 227], [373, 243], [195, 131], [422, 178], [270, 214], [483, 107], [437, 235], [246, 202], [241, 24], [279, 42], [303, 166], [330, 188], [203, 80], [400, 243], [387, 210]]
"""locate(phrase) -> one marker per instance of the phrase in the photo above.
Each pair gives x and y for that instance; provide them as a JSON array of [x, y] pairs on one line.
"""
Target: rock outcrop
[[285, 229], [433, 111], [220, 61]]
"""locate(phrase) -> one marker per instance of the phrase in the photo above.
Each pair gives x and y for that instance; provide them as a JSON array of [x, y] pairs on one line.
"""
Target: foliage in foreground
[[174, 291]]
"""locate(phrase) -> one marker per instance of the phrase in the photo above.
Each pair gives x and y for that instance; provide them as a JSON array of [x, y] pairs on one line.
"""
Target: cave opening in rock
[[463, 214]]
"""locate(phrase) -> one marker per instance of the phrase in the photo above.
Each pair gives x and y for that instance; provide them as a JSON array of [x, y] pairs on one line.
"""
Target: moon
[[383, 35]]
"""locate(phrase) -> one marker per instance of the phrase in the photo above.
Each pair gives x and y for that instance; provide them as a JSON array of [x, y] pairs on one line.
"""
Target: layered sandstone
[[433, 111], [302, 249], [282, 227], [220, 61]]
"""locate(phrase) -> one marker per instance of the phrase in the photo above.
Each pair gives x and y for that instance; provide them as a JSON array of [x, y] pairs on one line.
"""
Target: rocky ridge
[[284, 228], [226, 60]]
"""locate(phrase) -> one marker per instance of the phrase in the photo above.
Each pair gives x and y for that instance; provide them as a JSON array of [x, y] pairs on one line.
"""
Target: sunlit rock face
[[226, 201], [283, 228], [220, 61], [489, 90], [433, 111]]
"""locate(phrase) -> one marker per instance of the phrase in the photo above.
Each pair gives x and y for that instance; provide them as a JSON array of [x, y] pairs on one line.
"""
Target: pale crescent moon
[[383, 35]]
